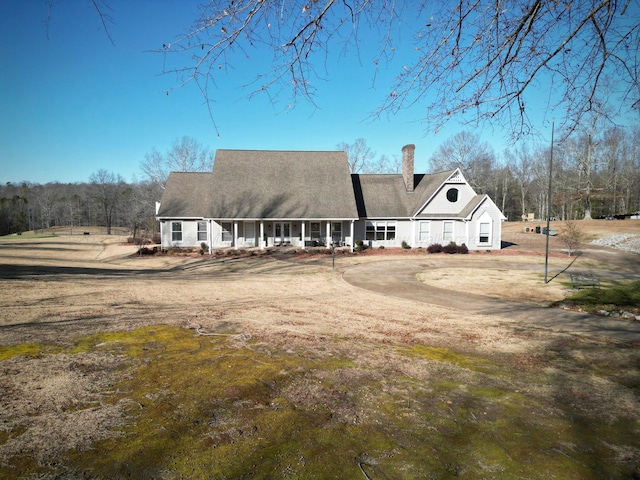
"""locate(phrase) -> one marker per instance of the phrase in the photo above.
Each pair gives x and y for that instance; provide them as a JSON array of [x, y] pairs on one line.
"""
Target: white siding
[[440, 205], [189, 234], [487, 212]]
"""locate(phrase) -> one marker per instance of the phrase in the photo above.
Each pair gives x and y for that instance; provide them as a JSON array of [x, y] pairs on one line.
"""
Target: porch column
[[328, 234], [466, 233], [302, 233], [235, 234], [413, 233], [210, 236], [353, 239], [261, 235]]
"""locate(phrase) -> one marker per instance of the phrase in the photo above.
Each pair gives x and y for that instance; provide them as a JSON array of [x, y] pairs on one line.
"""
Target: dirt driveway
[[502, 296]]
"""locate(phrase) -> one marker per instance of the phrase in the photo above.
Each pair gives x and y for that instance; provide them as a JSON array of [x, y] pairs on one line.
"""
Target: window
[[452, 195], [380, 231], [315, 231], [391, 231], [447, 232], [425, 232], [227, 234], [485, 233], [336, 231], [202, 231], [176, 231], [370, 233]]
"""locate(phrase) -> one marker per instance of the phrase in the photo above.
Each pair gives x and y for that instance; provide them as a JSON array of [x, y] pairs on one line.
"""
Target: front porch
[[282, 233]]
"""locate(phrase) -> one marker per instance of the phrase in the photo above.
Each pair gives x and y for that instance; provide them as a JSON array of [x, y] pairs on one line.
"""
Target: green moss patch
[[617, 297], [218, 407], [26, 350], [446, 355]]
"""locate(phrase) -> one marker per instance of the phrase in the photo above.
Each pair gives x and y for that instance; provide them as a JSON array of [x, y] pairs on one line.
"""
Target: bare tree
[[359, 155], [487, 58], [107, 189], [185, 155], [465, 151], [521, 166], [571, 236]]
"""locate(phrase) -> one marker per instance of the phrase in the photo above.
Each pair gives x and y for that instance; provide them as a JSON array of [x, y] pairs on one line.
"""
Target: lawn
[[182, 367]]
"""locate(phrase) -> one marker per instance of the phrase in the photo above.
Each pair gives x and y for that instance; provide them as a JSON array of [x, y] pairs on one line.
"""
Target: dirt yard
[[85, 322]]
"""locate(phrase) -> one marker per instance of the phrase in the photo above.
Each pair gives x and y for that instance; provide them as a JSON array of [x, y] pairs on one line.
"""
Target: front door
[[283, 233]]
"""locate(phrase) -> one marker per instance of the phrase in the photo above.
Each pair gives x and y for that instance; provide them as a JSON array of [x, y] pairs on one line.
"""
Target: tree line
[[594, 174]]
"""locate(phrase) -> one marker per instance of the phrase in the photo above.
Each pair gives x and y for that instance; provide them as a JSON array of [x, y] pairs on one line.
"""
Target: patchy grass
[[223, 407], [26, 350], [615, 297], [26, 236]]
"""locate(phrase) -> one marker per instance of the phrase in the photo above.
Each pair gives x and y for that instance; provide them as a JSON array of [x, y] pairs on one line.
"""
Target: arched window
[[452, 195]]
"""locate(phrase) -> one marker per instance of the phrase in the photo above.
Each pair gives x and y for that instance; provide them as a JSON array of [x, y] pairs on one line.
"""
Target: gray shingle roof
[[253, 184], [185, 195], [385, 196]]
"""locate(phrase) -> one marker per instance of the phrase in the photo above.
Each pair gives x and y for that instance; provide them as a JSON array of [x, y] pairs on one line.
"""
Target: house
[[275, 198]]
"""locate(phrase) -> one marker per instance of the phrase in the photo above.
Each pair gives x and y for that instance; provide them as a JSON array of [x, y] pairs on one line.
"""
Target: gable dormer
[[456, 177], [450, 198]]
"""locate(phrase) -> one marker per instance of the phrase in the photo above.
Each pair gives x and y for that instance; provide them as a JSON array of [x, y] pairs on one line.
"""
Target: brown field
[[397, 381]]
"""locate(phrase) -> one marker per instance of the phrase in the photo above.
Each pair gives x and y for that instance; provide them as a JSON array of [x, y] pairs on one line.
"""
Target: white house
[[258, 198]]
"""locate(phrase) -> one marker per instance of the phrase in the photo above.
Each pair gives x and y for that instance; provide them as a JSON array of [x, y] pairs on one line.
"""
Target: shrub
[[571, 236], [381, 247], [462, 249], [405, 245], [451, 248], [359, 246], [204, 247], [434, 248]]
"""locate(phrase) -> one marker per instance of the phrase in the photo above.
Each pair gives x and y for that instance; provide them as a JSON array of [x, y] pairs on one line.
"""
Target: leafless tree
[[487, 58], [481, 60], [465, 151], [521, 166], [359, 155], [107, 190], [185, 155], [571, 236]]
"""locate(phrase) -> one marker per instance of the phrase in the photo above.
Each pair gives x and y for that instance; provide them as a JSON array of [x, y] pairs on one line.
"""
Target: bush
[[381, 247], [434, 248], [463, 249], [359, 246], [405, 245], [451, 248]]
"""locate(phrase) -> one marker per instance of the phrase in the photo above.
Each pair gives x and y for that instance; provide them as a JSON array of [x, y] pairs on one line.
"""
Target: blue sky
[[72, 103]]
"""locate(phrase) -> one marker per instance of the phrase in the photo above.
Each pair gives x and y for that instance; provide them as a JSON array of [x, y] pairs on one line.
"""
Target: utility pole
[[546, 257]]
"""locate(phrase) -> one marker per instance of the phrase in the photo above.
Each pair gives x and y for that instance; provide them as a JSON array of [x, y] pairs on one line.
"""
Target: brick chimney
[[407, 166]]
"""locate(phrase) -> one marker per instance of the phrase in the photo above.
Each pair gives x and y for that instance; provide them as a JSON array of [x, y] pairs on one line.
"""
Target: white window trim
[[489, 242], [173, 223], [205, 232], [224, 231], [428, 231], [385, 231], [444, 232]]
